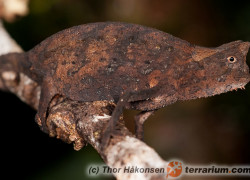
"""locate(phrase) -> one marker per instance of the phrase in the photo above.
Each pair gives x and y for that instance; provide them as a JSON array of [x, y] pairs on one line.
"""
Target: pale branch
[[79, 122], [21, 85], [83, 122], [10, 9]]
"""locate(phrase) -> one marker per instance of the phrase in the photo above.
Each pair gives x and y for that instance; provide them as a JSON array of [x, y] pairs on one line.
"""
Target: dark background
[[204, 131]]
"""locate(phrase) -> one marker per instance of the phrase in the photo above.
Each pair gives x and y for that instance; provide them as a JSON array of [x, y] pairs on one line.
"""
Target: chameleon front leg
[[47, 93], [110, 129], [139, 122]]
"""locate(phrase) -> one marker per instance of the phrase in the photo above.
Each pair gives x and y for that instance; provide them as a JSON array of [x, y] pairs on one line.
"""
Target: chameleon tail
[[17, 62]]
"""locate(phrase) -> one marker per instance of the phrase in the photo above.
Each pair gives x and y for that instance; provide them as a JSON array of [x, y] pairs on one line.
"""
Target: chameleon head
[[223, 68]]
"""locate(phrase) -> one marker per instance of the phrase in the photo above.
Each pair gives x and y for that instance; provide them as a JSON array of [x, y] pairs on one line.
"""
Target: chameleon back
[[100, 61]]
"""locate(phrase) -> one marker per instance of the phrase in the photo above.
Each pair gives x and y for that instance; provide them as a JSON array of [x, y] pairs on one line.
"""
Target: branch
[[21, 85], [10, 9], [83, 122]]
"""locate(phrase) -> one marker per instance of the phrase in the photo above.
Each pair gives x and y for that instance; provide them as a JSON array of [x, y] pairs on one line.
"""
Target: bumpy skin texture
[[102, 61]]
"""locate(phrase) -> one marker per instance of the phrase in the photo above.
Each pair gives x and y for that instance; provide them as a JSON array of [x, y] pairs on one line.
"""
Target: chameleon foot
[[139, 121]]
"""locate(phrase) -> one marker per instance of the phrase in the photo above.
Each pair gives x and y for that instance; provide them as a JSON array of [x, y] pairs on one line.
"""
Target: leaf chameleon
[[134, 66]]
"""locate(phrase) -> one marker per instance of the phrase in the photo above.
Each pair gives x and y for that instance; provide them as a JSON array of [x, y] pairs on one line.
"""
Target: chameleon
[[133, 66]]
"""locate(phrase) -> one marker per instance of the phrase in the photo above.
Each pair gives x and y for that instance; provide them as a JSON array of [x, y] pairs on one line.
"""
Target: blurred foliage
[[212, 130]]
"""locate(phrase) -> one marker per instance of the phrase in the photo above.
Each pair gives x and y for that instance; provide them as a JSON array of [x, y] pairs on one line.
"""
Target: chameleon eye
[[231, 59]]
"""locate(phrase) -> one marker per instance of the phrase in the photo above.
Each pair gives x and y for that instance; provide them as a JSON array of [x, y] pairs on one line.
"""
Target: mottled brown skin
[[103, 61]]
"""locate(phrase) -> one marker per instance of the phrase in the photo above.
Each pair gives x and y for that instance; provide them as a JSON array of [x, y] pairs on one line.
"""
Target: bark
[[83, 122]]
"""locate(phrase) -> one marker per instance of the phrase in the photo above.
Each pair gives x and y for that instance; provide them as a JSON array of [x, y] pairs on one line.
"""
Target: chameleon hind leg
[[139, 122], [47, 93]]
